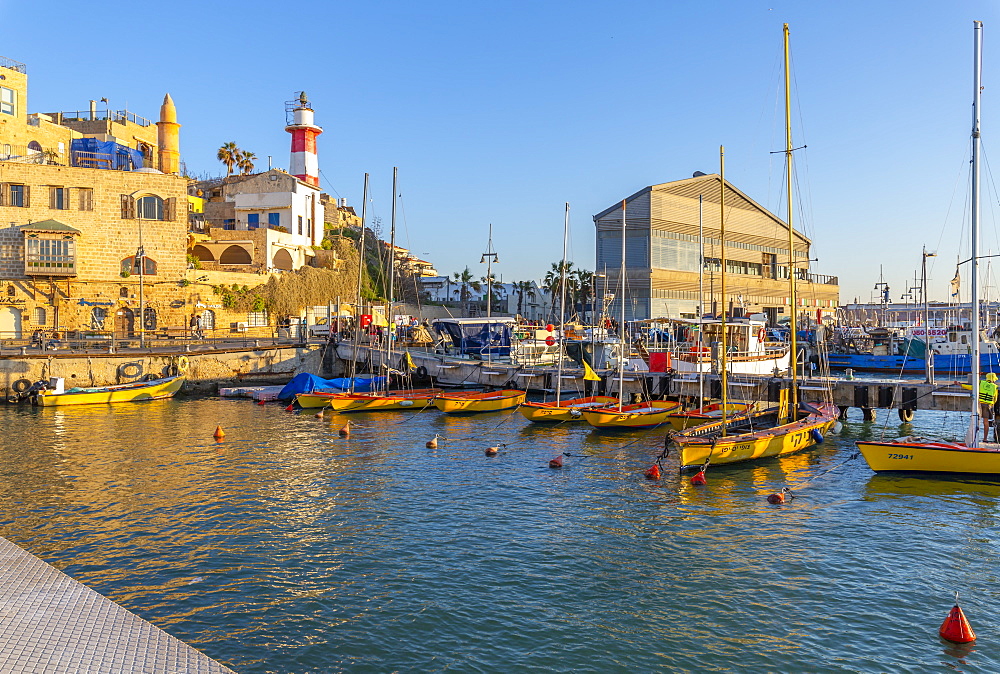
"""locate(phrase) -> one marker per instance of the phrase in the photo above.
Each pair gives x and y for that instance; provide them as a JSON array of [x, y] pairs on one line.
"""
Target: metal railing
[[23, 154], [11, 64], [102, 115]]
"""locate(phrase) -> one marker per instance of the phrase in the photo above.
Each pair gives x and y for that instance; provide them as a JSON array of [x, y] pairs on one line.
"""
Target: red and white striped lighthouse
[[304, 164]]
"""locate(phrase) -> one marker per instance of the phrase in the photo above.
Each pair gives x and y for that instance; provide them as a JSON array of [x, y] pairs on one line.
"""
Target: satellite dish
[[698, 174]]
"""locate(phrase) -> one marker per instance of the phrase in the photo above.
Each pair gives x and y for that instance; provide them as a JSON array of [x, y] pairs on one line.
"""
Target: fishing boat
[[404, 399], [922, 455], [153, 389], [467, 402], [792, 426], [640, 415]]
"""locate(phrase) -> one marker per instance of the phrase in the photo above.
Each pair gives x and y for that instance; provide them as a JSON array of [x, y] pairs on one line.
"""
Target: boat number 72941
[[900, 456]]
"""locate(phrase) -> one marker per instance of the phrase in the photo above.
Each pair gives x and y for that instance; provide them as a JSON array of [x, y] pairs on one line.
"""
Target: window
[[300, 224], [59, 198], [149, 207], [208, 320], [39, 316], [149, 318], [8, 101], [253, 220], [18, 196], [123, 292], [97, 317], [130, 266], [274, 219], [86, 199], [229, 223], [257, 319], [49, 256]]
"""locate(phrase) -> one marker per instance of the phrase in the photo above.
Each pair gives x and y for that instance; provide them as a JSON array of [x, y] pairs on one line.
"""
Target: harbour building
[[663, 254]]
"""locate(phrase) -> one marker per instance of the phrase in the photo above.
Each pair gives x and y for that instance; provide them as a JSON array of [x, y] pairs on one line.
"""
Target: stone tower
[[168, 137]]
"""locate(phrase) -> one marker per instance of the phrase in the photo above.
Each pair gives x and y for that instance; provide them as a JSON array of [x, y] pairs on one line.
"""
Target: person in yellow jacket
[[987, 398]]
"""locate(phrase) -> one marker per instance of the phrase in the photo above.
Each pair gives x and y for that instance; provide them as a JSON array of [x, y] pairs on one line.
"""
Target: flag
[[409, 362], [956, 283], [589, 374]]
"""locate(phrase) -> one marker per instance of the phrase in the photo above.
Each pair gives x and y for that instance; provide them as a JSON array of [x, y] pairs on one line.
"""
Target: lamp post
[[489, 257], [928, 356], [885, 298]]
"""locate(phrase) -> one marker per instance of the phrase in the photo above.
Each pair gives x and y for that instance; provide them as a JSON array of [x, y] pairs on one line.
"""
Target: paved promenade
[[50, 623]]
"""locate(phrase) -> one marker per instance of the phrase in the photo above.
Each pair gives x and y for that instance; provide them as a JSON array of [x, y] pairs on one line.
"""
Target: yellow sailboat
[[705, 414], [789, 428], [641, 415], [920, 455], [466, 402], [153, 389], [406, 399], [564, 410]]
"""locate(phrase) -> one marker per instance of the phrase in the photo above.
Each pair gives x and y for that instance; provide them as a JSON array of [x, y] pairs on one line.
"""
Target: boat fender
[[182, 364], [576, 414], [406, 403], [21, 385], [13, 399], [421, 371], [837, 428], [129, 370], [816, 435]]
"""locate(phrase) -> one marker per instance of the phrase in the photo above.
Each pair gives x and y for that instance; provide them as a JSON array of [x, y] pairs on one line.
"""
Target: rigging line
[[330, 183], [990, 182]]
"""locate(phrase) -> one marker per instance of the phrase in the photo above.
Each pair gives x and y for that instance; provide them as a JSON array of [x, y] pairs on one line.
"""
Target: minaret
[[168, 137], [304, 164]]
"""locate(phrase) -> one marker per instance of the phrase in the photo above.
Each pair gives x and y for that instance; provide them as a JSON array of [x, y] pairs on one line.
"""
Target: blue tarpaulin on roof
[[307, 383], [104, 154]]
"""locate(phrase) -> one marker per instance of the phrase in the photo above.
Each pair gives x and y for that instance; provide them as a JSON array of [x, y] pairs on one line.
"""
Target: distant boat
[[406, 399], [640, 415], [570, 409], [460, 402], [140, 391]]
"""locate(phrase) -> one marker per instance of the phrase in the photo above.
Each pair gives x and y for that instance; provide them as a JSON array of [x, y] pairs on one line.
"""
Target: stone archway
[[235, 255], [203, 254], [282, 260]]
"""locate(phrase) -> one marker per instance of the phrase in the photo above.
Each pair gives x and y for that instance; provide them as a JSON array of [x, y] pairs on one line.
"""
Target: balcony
[[11, 64]]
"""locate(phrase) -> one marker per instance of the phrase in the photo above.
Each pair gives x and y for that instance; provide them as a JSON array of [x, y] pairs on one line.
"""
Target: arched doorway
[[10, 323], [282, 260], [235, 255], [125, 322], [208, 320], [203, 254]]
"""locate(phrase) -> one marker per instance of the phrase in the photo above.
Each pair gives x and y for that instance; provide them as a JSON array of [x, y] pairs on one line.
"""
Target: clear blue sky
[[501, 112]]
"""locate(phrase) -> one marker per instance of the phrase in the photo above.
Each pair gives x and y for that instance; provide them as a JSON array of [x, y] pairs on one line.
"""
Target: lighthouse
[[304, 165]]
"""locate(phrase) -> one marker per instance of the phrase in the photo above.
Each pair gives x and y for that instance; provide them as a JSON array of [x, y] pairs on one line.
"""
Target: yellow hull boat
[[369, 402], [154, 389], [917, 455], [461, 403], [706, 443], [564, 410], [683, 420], [641, 415]]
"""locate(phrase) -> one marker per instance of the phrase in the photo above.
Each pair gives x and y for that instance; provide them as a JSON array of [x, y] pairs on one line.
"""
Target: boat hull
[[125, 393], [931, 457], [565, 410], [943, 363], [369, 402], [681, 421], [643, 415], [479, 402], [765, 443]]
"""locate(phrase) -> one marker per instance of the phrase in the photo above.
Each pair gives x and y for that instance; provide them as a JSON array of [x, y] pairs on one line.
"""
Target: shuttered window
[[128, 207], [86, 198]]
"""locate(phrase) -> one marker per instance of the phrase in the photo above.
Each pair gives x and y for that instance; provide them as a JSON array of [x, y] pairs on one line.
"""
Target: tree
[[523, 288], [466, 281], [584, 287], [553, 282], [495, 286], [245, 162], [229, 154]]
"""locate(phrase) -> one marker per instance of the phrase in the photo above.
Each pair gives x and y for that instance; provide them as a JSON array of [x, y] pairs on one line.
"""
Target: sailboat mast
[[392, 280], [793, 324], [562, 307], [621, 328], [725, 306], [701, 300], [976, 211], [361, 275]]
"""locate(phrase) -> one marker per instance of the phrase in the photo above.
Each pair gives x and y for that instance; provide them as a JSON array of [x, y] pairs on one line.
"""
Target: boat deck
[[51, 623]]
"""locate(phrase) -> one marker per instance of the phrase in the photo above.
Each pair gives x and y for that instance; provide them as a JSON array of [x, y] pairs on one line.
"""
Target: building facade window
[[49, 255], [149, 318], [98, 315], [86, 195], [39, 316], [253, 220], [257, 319], [59, 198], [18, 196], [229, 223], [131, 266], [8, 101], [274, 219], [300, 224], [149, 207]]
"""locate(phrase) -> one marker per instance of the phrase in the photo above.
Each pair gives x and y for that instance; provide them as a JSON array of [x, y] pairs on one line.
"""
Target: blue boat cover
[[120, 157], [307, 383], [478, 339]]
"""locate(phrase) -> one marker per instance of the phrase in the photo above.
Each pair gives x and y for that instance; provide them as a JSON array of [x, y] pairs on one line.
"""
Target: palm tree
[[245, 163], [553, 281], [523, 288], [584, 287], [495, 287], [229, 154], [467, 281]]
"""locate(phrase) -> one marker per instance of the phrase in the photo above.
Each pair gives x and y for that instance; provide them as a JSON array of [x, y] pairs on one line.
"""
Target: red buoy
[[290, 407], [653, 473], [556, 462], [219, 433], [346, 430], [260, 402], [776, 498], [956, 628], [550, 340], [550, 327], [699, 478]]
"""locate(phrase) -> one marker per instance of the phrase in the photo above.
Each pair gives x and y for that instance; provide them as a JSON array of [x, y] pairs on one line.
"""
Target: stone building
[[662, 256]]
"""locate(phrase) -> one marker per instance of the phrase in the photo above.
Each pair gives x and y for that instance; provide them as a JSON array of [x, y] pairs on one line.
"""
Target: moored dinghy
[[140, 391], [461, 402], [641, 415], [402, 399], [564, 410]]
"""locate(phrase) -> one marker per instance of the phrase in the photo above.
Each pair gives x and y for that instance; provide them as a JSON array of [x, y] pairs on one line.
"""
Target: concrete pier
[[51, 623]]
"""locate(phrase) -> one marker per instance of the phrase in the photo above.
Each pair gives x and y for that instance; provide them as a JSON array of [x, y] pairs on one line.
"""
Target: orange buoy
[[556, 462], [319, 415], [433, 443], [291, 406], [219, 433], [346, 430], [699, 478], [260, 402], [492, 451], [653, 473], [776, 498], [956, 627]]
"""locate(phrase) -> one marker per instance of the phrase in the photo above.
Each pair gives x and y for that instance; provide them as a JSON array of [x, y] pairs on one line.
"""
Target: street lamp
[[489, 257]]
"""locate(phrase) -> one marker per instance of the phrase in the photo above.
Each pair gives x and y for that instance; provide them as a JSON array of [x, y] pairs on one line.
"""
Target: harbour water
[[287, 548]]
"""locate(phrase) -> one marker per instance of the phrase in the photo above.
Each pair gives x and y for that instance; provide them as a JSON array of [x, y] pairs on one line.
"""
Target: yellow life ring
[[182, 364]]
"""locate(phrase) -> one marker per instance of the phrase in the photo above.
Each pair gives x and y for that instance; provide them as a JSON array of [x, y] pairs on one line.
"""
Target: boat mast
[[725, 307], [976, 211], [621, 328], [562, 309], [701, 301], [361, 274], [793, 325], [392, 280]]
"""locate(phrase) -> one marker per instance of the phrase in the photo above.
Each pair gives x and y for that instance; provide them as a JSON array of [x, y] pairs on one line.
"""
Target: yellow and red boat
[[680, 421], [139, 391], [370, 401], [477, 401], [564, 410], [641, 415]]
